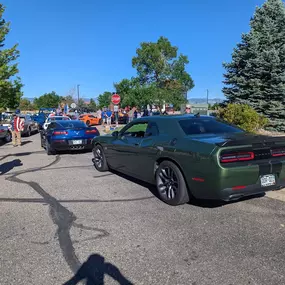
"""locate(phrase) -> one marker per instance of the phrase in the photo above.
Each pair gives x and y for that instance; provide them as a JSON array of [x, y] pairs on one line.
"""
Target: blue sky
[[92, 42]]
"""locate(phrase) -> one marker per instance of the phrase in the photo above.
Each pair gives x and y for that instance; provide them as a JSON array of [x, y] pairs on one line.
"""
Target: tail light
[[56, 133], [239, 156], [278, 152], [94, 131], [2, 131]]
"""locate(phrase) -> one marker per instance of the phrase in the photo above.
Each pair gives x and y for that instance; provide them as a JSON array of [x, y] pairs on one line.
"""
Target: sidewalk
[[278, 195]]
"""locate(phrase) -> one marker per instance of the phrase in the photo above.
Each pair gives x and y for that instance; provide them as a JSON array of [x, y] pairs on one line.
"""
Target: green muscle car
[[194, 156]]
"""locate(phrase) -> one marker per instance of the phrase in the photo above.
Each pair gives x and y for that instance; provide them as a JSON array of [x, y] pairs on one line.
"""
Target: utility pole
[[207, 97], [78, 94]]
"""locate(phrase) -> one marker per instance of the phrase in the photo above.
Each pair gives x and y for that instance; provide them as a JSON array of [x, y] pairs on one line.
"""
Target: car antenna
[[197, 115]]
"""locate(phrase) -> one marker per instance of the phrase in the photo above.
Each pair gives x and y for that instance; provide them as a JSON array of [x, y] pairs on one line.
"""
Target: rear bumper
[[229, 194], [67, 145]]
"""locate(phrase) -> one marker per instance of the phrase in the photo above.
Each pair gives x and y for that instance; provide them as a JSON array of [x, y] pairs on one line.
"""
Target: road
[[58, 213]]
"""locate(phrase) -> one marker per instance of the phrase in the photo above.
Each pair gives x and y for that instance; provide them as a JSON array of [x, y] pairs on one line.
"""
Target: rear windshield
[[59, 118], [206, 126], [91, 116], [70, 124]]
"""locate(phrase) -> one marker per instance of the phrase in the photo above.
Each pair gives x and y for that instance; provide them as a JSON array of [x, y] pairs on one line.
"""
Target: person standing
[[188, 109], [16, 127]]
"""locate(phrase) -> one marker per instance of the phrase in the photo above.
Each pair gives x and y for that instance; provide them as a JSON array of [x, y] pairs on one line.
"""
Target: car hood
[[235, 139]]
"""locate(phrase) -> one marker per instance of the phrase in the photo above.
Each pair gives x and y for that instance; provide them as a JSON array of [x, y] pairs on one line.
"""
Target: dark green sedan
[[194, 156]]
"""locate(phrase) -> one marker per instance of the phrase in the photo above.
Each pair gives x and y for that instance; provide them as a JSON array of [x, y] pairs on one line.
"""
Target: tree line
[[255, 76]]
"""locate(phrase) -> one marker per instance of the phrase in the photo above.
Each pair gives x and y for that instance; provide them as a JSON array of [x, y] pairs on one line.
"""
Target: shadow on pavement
[[94, 271], [149, 186], [193, 201], [218, 203], [26, 142], [7, 166], [21, 154]]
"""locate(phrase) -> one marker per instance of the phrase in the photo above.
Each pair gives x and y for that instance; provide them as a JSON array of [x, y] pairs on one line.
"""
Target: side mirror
[[115, 134]]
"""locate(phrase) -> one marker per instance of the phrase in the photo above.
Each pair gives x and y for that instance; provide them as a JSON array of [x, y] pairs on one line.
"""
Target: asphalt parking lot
[[58, 214]]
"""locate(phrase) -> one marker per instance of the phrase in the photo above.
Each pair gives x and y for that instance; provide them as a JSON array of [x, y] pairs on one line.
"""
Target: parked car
[[67, 135], [191, 156], [30, 126], [90, 120], [5, 134]]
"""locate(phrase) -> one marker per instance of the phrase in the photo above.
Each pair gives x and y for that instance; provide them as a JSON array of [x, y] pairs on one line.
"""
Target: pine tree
[[256, 75], [10, 87]]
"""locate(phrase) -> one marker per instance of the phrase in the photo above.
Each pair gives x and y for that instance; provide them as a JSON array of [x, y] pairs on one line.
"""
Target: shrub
[[243, 116]]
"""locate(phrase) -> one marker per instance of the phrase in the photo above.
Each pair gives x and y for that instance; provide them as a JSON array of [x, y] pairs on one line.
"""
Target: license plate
[[267, 180], [77, 142]]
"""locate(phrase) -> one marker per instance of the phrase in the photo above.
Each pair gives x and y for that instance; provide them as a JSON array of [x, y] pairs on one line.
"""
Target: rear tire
[[171, 185], [99, 159], [49, 150]]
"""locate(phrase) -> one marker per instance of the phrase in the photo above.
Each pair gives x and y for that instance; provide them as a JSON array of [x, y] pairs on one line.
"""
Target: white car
[[54, 118]]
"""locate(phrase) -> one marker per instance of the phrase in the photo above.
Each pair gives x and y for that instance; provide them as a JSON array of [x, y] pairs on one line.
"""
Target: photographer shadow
[[94, 270]]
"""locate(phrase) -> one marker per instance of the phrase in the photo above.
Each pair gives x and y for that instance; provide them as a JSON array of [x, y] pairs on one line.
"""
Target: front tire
[[8, 137], [171, 185], [88, 123], [99, 159]]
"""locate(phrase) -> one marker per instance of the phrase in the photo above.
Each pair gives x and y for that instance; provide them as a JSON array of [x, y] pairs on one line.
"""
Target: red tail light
[[2, 131], [56, 133], [278, 152], [94, 131], [239, 156]]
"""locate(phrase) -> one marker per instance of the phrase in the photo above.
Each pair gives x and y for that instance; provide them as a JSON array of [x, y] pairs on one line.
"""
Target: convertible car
[[194, 156], [67, 135]]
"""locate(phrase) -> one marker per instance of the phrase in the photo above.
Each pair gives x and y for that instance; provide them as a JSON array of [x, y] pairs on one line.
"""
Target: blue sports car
[[67, 135]]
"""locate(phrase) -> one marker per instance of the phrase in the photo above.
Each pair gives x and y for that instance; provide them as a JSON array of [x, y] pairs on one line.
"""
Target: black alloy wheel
[[88, 123], [99, 159], [171, 185]]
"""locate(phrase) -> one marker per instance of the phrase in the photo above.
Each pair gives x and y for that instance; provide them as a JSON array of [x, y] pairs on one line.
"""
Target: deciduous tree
[[10, 87], [48, 100], [26, 105], [104, 99]]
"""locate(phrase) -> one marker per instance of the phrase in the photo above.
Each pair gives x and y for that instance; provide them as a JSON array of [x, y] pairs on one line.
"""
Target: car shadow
[[94, 271], [144, 184], [7, 166], [73, 152], [193, 201], [219, 203]]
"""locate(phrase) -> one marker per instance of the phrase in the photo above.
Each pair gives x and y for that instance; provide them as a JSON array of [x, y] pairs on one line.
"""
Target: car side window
[[136, 130], [152, 130]]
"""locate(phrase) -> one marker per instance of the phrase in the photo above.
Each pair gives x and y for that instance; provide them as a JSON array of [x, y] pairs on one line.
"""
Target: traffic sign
[[73, 105], [116, 99]]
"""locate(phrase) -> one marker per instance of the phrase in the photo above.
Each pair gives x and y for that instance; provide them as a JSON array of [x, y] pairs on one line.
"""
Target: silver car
[[30, 126], [5, 134]]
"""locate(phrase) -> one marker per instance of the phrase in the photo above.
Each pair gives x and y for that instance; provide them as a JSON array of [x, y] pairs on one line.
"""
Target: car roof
[[172, 117]]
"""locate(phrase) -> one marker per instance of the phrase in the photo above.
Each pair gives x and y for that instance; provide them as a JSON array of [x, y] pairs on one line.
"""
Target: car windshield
[[71, 124], [206, 126]]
